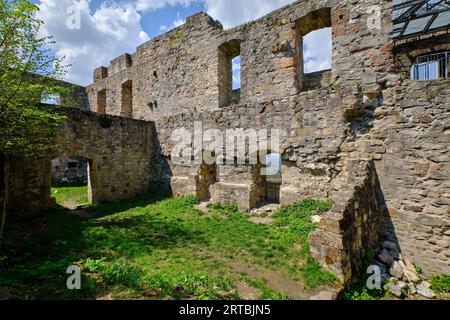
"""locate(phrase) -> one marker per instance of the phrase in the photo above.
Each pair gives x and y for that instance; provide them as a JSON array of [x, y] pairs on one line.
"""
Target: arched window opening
[[229, 73]]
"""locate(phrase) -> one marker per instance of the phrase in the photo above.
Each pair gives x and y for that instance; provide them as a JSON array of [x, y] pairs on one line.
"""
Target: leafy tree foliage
[[28, 71]]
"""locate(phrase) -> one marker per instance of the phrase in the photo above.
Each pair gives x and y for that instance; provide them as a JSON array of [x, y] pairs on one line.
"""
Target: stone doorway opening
[[267, 181], [71, 181], [206, 179], [273, 178]]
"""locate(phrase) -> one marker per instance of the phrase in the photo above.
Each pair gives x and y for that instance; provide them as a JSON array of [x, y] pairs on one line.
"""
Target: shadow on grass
[[111, 208], [39, 248]]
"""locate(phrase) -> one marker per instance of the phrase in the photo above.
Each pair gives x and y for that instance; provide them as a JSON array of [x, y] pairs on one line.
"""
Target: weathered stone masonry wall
[[362, 111], [120, 151], [403, 129], [180, 71], [414, 172], [311, 132], [347, 233]]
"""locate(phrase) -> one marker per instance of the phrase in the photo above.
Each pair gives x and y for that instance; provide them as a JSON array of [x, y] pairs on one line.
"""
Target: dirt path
[[70, 204], [276, 281]]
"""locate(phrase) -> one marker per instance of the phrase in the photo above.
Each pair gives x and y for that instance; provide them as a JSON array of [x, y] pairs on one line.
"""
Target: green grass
[[359, 291], [441, 283], [76, 194], [157, 249]]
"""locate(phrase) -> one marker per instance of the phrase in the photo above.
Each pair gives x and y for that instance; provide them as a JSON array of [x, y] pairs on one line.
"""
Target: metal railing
[[431, 67]]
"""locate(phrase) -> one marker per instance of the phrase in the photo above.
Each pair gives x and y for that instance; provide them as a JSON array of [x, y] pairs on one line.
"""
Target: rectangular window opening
[[51, 99], [236, 67], [431, 67], [127, 99], [101, 101], [314, 49]]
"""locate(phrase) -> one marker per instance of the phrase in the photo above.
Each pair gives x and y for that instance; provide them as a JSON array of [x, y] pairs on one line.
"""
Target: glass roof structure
[[417, 17]]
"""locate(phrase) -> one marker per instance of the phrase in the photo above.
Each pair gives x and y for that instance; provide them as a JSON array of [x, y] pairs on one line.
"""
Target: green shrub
[[297, 217], [94, 265], [214, 206], [441, 283], [359, 291], [418, 269]]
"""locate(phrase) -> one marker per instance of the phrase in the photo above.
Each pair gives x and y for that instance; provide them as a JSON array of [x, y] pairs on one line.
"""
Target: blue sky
[[109, 28]]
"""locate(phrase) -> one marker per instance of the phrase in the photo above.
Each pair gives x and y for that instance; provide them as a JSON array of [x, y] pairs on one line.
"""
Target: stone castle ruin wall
[[361, 133]]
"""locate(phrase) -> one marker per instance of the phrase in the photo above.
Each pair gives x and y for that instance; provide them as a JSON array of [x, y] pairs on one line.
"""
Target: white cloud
[[229, 12], [153, 5], [179, 21], [235, 12], [103, 35], [115, 28], [317, 48]]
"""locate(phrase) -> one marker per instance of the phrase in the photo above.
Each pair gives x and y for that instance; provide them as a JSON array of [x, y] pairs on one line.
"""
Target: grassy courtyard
[[70, 196], [163, 249]]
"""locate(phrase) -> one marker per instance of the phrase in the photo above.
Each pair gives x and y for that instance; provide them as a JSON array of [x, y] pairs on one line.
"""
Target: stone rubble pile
[[265, 209], [399, 275]]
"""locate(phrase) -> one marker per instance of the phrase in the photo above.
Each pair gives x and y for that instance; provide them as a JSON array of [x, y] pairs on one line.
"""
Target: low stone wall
[[120, 153], [351, 228]]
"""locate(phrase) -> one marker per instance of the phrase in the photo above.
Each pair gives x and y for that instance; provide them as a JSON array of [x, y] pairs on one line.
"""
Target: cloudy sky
[[109, 28]]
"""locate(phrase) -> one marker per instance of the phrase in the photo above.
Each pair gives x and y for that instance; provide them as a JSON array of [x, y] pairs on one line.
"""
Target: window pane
[[431, 67]]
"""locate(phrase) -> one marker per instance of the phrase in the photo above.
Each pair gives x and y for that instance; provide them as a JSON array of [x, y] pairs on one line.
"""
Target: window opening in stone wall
[[236, 68], [71, 184], [229, 73], [314, 49], [101, 101], [431, 67], [51, 99], [127, 99], [317, 51]]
